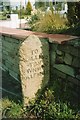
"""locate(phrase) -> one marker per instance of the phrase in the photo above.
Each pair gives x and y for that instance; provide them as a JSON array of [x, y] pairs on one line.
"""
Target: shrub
[[37, 15], [73, 13], [39, 4], [11, 109], [43, 107], [15, 111], [28, 8], [46, 108], [49, 23], [5, 12]]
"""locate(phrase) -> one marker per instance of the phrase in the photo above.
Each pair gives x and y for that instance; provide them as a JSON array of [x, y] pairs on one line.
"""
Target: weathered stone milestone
[[34, 65]]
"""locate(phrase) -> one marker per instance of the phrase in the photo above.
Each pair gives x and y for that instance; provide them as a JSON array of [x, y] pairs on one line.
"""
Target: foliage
[[43, 107], [51, 7], [2, 17], [46, 108], [35, 17], [28, 8], [58, 6], [39, 4], [72, 30], [21, 13], [5, 12], [5, 103], [50, 23], [73, 13], [15, 111], [11, 109]]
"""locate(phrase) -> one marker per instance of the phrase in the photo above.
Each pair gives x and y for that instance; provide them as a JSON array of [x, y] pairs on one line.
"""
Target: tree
[[77, 9], [73, 13], [39, 4], [51, 6], [28, 8]]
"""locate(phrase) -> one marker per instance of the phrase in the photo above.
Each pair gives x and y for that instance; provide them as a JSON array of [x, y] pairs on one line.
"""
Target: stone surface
[[78, 77], [68, 59], [74, 80], [10, 54], [13, 74], [8, 64], [75, 43], [53, 47], [59, 52], [34, 66], [12, 40], [69, 49], [52, 57], [4, 67], [65, 69], [59, 59], [76, 62], [59, 73], [22, 34]]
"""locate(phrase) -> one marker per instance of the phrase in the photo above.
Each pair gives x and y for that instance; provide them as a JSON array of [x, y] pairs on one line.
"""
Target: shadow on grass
[[11, 88]]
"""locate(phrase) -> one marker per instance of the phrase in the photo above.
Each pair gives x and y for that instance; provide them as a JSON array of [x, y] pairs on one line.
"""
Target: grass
[[49, 23], [2, 17], [43, 107], [11, 109]]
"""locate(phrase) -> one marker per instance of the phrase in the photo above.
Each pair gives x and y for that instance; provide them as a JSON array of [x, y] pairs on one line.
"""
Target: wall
[[65, 67], [27, 60], [10, 55], [36, 58]]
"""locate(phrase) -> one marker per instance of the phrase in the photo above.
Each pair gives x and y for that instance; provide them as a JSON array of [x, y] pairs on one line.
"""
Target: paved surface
[[13, 24]]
